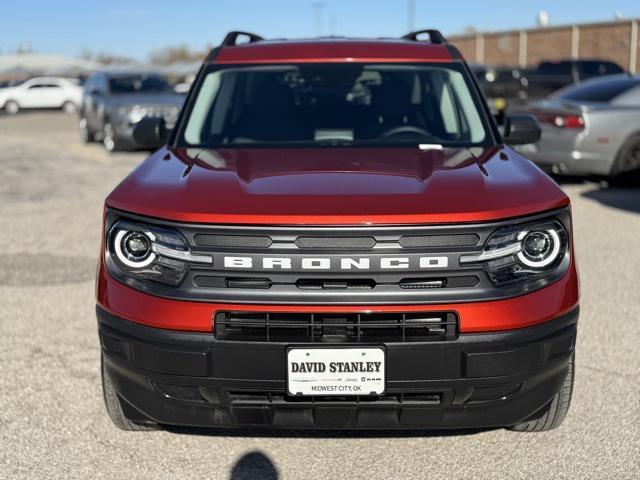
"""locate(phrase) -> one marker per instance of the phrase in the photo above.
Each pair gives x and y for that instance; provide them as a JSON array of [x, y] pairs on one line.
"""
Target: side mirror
[[521, 129], [151, 132]]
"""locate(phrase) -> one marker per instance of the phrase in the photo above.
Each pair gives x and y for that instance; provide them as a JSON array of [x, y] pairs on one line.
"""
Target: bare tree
[[181, 53]]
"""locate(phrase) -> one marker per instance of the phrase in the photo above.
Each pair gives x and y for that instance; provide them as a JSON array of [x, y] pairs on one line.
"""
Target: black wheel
[[553, 414], [628, 159], [110, 139], [11, 107], [115, 409], [86, 135]]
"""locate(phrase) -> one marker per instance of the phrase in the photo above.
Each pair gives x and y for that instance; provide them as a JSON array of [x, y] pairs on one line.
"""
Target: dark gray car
[[113, 102], [590, 129]]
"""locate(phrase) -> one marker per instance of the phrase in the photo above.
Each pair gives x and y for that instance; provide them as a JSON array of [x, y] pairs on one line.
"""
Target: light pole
[[317, 10], [411, 15]]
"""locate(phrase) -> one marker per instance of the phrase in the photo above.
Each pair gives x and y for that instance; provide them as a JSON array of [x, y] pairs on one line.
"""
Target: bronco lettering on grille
[[343, 263]]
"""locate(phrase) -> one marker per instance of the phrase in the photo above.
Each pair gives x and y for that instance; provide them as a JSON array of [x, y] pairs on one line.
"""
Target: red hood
[[346, 186]]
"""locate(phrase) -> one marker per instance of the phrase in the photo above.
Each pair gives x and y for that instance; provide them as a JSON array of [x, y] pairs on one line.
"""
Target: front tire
[[11, 107], [86, 135], [555, 412], [113, 404]]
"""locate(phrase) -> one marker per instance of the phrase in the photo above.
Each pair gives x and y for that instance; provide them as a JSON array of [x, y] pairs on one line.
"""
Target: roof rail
[[231, 38], [434, 36]]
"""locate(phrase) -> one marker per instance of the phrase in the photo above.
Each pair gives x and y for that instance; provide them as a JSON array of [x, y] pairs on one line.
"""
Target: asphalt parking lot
[[52, 420]]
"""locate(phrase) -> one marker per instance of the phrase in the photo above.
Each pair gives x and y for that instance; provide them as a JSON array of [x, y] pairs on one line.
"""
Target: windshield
[[334, 104], [602, 90], [142, 83]]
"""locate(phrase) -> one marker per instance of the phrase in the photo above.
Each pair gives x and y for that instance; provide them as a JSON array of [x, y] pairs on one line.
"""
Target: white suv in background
[[42, 92]]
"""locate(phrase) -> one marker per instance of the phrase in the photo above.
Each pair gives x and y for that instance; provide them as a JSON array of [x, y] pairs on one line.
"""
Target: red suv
[[336, 235]]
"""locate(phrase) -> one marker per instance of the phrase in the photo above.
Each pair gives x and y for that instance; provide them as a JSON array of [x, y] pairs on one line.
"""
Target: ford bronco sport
[[336, 235]]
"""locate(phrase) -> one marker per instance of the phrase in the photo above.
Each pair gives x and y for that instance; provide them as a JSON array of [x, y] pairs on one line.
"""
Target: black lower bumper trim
[[477, 380]]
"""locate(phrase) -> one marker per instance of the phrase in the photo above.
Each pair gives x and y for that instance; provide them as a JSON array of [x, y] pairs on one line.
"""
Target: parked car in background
[[115, 101], [42, 92], [502, 87], [551, 76], [591, 128]]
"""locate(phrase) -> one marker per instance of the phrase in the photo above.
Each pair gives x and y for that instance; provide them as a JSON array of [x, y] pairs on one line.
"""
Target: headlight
[[523, 252], [147, 252]]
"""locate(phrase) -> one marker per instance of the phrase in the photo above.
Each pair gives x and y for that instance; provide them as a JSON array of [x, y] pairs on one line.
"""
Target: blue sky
[[135, 27]]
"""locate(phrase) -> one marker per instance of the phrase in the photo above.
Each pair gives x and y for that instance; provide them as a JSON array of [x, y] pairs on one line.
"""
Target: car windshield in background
[[598, 91], [143, 83], [335, 104]]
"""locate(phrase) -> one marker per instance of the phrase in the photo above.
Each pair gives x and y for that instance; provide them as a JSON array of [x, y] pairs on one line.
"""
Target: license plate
[[336, 371]]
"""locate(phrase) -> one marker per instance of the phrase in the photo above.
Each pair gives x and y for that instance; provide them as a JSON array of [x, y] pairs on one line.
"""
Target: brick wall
[[552, 44], [467, 47], [501, 48], [609, 41]]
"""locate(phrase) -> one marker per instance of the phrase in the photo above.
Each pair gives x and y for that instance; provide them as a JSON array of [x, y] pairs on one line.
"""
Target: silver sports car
[[592, 128]]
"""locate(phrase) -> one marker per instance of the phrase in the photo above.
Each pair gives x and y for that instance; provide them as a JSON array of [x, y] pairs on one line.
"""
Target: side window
[[44, 85], [592, 69], [555, 68], [92, 85], [611, 68], [101, 84]]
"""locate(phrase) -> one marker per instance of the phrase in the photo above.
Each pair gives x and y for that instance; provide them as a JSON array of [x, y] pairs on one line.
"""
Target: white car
[[42, 92]]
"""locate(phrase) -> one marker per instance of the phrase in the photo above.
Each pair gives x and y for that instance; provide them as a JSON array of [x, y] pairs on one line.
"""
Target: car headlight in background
[[523, 252], [146, 252]]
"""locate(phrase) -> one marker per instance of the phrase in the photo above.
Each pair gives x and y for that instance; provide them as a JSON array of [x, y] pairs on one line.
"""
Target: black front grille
[[433, 241], [232, 241], [330, 242], [335, 327], [365, 265], [342, 243]]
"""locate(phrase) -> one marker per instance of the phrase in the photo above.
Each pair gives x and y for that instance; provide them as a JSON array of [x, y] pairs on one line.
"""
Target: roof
[[334, 50]]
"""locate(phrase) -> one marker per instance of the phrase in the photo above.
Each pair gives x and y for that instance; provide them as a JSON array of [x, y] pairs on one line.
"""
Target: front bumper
[[123, 129], [477, 380]]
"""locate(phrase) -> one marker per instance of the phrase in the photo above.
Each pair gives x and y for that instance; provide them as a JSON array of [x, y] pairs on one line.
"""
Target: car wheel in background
[[553, 414], [11, 107], [110, 139], [628, 159], [69, 107], [86, 135], [117, 410]]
